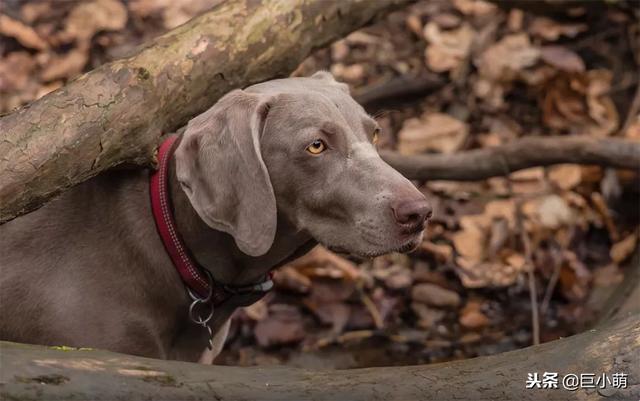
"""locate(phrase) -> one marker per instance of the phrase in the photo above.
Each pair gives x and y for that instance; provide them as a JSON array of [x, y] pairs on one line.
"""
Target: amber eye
[[316, 147], [376, 136]]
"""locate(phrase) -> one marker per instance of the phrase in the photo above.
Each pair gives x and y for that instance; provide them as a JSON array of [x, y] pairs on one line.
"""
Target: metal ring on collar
[[196, 297], [199, 319]]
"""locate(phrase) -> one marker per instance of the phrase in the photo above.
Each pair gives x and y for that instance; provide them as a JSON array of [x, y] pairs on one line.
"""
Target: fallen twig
[[523, 153], [553, 281]]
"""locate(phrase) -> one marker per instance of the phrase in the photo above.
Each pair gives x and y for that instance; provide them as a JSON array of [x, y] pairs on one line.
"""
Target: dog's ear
[[328, 77], [220, 168]]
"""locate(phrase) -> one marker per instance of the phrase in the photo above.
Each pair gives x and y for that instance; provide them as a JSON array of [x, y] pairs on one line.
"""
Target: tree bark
[[116, 113], [520, 154]]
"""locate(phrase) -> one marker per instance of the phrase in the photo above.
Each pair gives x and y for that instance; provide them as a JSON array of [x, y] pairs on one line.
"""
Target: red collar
[[191, 273]]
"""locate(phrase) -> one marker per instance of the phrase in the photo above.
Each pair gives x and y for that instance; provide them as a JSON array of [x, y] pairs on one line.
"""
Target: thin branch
[[533, 291], [397, 90], [521, 154], [553, 281]]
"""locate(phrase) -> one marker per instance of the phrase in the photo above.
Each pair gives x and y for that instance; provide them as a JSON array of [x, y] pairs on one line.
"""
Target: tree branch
[[397, 91], [116, 113], [523, 153]]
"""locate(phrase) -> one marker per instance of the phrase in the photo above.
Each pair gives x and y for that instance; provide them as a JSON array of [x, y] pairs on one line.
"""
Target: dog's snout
[[411, 212]]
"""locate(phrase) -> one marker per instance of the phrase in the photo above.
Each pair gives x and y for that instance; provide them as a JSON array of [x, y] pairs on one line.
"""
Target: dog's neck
[[217, 251]]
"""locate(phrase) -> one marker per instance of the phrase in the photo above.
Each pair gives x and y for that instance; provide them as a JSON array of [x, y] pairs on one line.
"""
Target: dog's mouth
[[405, 247]]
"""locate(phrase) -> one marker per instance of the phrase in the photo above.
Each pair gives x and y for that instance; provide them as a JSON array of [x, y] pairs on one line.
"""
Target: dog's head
[[304, 149]]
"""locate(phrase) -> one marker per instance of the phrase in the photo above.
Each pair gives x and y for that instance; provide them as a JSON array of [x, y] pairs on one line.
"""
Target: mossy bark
[[116, 113]]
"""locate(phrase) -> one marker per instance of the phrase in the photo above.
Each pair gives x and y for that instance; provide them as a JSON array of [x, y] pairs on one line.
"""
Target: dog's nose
[[411, 212]]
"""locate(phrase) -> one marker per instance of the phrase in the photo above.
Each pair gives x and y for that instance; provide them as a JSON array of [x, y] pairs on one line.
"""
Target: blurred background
[[441, 77]]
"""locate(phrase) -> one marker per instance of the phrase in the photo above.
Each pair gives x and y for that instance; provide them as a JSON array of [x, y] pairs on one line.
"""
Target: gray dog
[[254, 182]]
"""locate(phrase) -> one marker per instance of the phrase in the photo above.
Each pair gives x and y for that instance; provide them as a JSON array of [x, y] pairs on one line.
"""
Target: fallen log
[[520, 154], [116, 113], [613, 346]]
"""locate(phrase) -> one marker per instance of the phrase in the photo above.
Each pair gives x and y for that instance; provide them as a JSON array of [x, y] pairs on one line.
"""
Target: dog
[[254, 182]]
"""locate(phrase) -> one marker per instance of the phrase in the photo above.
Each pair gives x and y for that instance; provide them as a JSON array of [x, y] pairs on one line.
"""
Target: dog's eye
[[376, 136], [316, 147]]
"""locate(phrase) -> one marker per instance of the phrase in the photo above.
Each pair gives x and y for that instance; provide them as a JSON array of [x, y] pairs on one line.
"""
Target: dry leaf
[[283, 326], [565, 176], [633, 131], [499, 235], [427, 317], [65, 66], [550, 211], [550, 30], [434, 295], [48, 88], [491, 93], [456, 189], [471, 317], [362, 38], [399, 280], [414, 23], [487, 274], [287, 277], [608, 275], [528, 181], [179, 12], [562, 58], [90, 17], [339, 50], [334, 313], [327, 290], [350, 73], [517, 261], [447, 20], [499, 65], [489, 140], [600, 105], [499, 209], [320, 262], [436, 132], [30, 12], [504, 60], [257, 311], [580, 103], [620, 251], [442, 252], [574, 278], [515, 20], [21, 32], [470, 240], [477, 8], [447, 49], [16, 70]]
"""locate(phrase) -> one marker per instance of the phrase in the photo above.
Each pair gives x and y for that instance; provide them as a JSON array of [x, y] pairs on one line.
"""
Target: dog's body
[[124, 294], [89, 269]]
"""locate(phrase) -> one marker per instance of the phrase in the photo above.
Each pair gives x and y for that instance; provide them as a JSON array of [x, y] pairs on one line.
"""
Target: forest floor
[[506, 262]]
